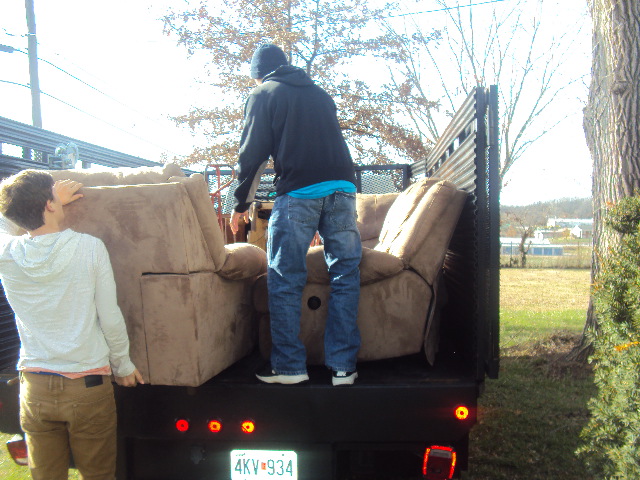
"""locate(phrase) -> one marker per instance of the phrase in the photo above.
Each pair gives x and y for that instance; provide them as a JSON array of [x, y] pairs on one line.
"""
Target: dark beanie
[[266, 59]]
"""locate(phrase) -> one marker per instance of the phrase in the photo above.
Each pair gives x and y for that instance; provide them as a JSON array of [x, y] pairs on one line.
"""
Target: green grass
[[8, 468], [531, 417], [529, 422], [518, 327], [574, 257]]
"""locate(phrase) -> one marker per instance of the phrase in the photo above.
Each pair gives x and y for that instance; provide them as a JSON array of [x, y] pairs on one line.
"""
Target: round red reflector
[[214, 426], [248, 426], [462, 412], [182, 425]]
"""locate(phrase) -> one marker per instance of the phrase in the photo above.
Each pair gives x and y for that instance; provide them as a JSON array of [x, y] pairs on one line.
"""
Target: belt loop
[[50, 382]]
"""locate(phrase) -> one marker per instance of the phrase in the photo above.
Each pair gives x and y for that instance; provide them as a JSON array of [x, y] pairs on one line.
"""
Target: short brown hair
[[24, 196]]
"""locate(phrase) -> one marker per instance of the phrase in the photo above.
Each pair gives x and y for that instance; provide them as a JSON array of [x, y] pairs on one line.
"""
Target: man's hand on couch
[[235, 218], [67, 191]]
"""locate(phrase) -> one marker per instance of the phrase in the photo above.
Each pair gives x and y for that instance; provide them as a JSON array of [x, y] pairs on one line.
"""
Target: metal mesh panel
[[370, 179], [381, 181], [266, 190], [224, 204], [228, 200]]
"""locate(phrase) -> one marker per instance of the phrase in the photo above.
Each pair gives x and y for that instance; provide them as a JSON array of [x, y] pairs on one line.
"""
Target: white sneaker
[[343, 378], [268, 375]]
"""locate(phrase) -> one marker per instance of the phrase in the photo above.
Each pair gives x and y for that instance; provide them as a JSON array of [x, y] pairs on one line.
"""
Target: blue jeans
[[293, 223]]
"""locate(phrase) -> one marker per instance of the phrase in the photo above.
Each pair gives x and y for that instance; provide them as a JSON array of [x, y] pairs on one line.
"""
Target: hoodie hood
[[290, 75], [44, 256]]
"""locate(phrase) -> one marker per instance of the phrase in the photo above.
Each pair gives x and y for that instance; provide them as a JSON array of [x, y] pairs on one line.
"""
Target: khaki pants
[[59, 416]]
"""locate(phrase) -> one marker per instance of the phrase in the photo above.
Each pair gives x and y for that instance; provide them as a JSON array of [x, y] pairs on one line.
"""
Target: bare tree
[[611, 124], [504, 48], [526, 232]]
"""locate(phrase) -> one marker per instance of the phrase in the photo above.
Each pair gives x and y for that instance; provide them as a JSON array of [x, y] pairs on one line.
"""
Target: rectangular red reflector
[[18, 450], [439, 463]]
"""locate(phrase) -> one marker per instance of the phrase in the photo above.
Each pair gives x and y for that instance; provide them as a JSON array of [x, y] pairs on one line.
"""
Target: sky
[[117, 79]]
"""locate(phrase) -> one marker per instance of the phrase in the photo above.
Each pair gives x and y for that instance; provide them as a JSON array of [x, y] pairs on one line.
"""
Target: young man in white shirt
[[73, 337]]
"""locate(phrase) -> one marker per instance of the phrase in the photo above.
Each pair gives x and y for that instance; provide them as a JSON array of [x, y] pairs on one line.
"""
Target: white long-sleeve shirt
[[62, 290]]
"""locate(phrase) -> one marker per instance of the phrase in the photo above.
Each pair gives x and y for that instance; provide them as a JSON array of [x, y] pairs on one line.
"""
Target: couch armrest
[[374, 266], [243, 261]]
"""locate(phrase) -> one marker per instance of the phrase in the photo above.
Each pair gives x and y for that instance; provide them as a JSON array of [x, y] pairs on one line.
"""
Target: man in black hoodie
[[291, 119]]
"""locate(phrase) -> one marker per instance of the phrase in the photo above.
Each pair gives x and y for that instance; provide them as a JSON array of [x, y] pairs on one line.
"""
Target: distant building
[[542, 235], [511, 246], [582, 231], [579, 227]]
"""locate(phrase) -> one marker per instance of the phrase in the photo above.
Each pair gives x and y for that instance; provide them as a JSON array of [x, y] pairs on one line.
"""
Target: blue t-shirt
[[323, 189]]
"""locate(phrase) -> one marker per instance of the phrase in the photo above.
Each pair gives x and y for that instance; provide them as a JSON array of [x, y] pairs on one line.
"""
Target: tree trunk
[[612, 124], [526, 233]]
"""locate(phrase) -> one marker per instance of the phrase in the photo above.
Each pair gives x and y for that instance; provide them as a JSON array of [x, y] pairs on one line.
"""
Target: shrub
[[611, 439]]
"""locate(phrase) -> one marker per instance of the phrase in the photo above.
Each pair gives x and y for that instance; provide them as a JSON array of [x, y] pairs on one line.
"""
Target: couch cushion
[[198, 192], [120, 176], [372, 210], [420, 223], [391, 318], [374, 266]]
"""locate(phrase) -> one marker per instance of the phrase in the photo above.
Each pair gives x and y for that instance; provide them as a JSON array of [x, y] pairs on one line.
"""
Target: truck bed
[[407, 370]]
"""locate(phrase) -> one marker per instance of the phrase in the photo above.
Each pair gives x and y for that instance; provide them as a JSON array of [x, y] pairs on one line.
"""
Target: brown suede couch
[[405, 238], [185, 296]]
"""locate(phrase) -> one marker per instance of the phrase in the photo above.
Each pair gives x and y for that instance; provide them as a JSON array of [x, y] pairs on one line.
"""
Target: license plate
[[263, 464]]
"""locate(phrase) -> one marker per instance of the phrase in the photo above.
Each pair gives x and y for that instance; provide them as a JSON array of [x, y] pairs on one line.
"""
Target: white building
[[578, 227]]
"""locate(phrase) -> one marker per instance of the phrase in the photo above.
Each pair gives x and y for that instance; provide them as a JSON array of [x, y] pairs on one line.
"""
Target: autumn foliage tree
[[333, 41]]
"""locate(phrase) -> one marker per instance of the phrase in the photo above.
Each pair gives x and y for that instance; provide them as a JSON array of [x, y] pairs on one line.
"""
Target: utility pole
[[36, 111]]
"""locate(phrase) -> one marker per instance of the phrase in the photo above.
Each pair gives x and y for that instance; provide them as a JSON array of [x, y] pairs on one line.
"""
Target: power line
[[6, 32], [15, 83], [445, 9], [97, 90], [197, 40], [92, 87], [92, 116]]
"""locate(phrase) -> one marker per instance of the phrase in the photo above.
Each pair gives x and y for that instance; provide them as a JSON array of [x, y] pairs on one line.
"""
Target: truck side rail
[[467, 153]]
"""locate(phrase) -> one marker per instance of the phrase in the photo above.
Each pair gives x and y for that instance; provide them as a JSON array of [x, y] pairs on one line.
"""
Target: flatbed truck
[[403, 418]]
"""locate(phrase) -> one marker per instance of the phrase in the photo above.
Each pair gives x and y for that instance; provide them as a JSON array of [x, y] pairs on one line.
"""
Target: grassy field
[[530, 418], [536, 303]]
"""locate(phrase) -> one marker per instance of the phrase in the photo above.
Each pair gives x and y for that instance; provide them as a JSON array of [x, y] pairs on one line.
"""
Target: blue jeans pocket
[[303, 210], [342, 213]]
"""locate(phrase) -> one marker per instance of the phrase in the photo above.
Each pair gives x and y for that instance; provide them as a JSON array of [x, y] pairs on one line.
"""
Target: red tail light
[[214, 426], [182, 425], [248, 426], [439, 463], [461, 412], [18, 450]]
